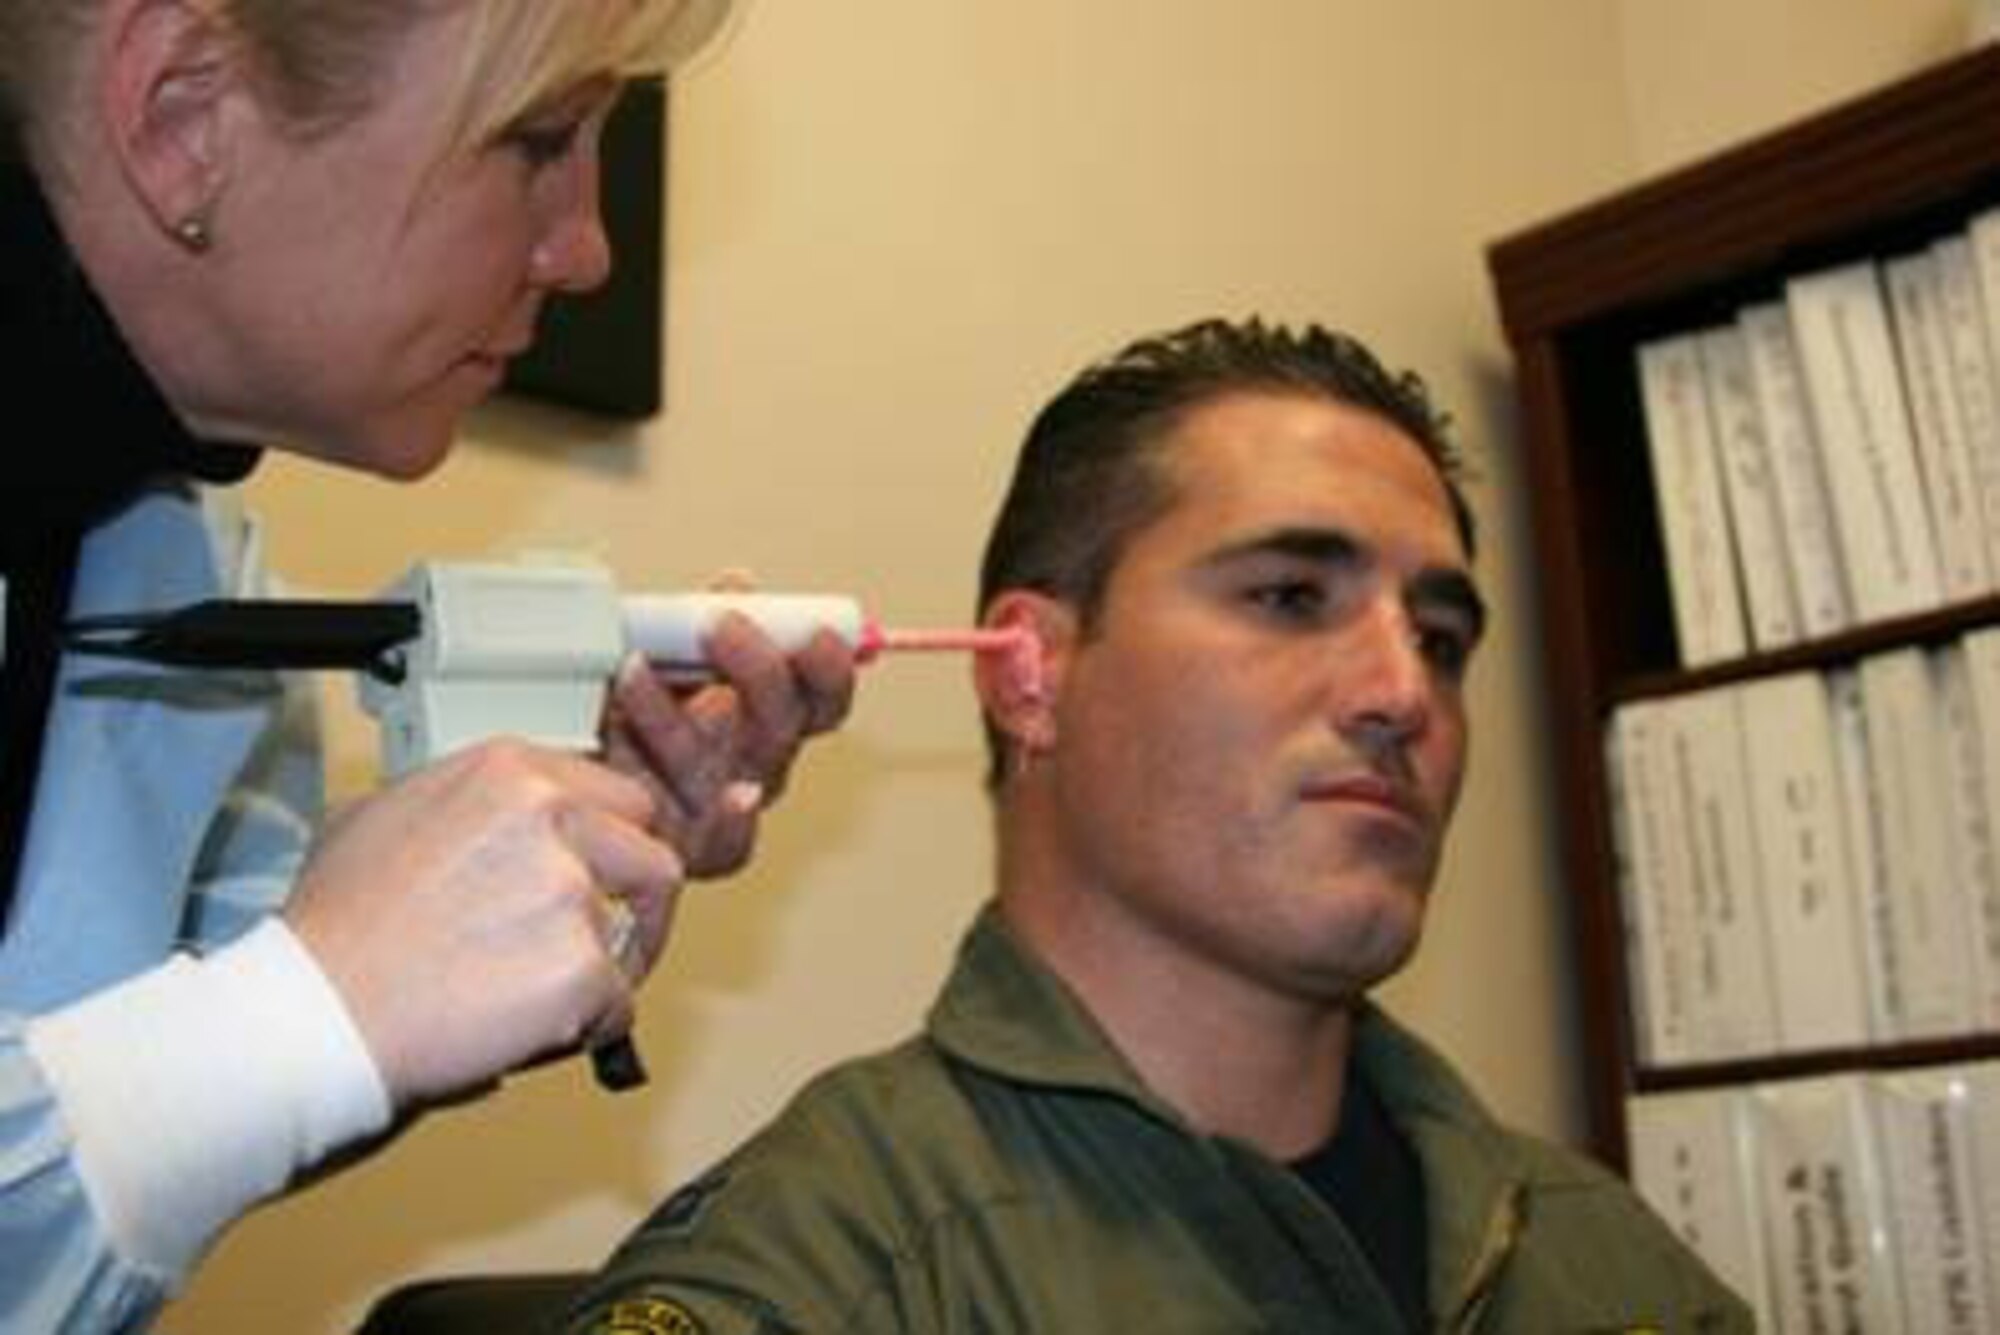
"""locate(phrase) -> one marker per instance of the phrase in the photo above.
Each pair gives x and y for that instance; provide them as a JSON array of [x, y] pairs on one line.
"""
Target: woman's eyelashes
[[544, 143], [551, 131]]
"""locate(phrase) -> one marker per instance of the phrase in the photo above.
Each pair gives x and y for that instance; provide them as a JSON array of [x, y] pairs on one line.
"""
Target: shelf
[[1577, 294], [1927, 629], [1892, 1057], [1916, 153]]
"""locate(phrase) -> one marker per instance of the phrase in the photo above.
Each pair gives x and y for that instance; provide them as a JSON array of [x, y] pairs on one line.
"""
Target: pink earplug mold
[[1022, 651]]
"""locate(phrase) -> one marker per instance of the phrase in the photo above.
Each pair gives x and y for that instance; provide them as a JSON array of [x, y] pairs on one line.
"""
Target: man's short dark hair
[[1088, 477]]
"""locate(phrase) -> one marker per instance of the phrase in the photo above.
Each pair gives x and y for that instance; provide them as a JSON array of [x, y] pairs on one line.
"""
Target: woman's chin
[[402, 459]]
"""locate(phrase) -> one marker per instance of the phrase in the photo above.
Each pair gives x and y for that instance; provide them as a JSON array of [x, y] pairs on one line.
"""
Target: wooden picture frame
[[603, 352]]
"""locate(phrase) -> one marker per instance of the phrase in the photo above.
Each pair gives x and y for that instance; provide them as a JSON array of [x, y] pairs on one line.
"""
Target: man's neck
[[1233, 1057]]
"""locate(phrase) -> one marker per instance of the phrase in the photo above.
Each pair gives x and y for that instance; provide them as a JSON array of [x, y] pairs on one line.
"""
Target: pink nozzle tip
[[1018, 643], [877, 640], [936, 641]]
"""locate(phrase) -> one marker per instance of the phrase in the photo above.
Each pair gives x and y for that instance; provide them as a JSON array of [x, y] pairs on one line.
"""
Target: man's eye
[[1290, 599], [1447, 648]]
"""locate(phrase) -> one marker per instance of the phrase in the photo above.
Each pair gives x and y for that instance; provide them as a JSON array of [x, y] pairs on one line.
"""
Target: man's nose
[[1386, 683]]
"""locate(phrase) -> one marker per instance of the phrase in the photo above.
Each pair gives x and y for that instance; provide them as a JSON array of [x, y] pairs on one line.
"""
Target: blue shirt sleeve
[[58, 1272], [214, 870]]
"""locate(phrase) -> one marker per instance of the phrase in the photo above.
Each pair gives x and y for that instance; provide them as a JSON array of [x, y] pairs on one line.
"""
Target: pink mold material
[[1022, 651]]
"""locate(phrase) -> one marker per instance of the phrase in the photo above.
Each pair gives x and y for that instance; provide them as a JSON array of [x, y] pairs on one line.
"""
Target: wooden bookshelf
[[1577, 294]]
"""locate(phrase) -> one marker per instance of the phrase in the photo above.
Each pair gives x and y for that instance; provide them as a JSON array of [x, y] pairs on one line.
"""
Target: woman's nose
[[573, 253]]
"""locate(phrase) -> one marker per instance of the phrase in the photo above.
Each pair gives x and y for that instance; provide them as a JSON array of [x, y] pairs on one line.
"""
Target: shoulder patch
[[648, 1316]]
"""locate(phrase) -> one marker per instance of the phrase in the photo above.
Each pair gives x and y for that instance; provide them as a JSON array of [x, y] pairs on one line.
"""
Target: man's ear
[[166, 69], [1019, 688]]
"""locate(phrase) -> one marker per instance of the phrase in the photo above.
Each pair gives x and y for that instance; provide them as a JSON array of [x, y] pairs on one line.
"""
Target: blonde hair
[[321, 59], [526, 51]]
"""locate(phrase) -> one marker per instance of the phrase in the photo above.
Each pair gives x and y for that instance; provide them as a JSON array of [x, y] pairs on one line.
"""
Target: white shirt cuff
[[198, 1088]]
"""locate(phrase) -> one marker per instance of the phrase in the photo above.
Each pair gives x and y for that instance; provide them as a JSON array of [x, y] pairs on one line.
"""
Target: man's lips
[[1366, 790]]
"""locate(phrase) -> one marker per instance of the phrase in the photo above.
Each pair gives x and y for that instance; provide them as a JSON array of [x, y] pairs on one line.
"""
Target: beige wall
[[1702, 74], [895, 230]]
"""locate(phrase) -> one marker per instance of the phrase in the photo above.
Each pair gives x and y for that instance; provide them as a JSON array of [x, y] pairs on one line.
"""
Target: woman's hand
[[715, 756], [488, 911]]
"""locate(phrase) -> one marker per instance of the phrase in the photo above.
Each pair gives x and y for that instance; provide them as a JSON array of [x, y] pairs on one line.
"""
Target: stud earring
[[1027, 747], [1018, 761], [193, 234]]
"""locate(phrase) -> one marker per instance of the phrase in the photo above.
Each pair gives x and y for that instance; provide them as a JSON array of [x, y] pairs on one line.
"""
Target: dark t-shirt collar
[[89, 426]]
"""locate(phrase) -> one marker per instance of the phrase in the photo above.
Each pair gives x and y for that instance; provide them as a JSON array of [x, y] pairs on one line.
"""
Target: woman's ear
[[1019, 687], [165, 70]]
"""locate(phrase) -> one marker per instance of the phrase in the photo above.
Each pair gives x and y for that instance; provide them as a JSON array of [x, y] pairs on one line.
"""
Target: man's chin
[[1383, 945], [1360, 955]]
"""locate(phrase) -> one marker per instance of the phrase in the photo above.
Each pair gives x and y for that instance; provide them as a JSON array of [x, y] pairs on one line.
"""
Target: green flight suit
[[1007, 1172]]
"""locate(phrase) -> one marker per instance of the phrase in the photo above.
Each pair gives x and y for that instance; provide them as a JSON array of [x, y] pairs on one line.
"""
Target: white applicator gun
[[457, 652], [528, 649]]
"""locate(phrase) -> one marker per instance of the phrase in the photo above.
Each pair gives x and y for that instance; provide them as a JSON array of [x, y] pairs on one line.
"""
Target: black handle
[[618, 1065], [270, 633]]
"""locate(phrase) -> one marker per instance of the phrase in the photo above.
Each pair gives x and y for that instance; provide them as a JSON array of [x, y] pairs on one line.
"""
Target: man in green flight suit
[[1154, 1095]]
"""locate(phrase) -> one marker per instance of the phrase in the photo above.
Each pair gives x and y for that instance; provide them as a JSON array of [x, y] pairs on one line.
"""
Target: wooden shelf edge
[[1840, 1061], [1921, 629], [1920, 141]]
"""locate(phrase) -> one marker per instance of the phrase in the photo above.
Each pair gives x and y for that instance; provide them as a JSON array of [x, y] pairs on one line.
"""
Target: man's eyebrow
[[1323, 546]]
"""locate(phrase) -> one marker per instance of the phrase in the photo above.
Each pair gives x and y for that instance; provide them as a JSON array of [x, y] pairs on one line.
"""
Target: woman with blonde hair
[[321, 226]]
